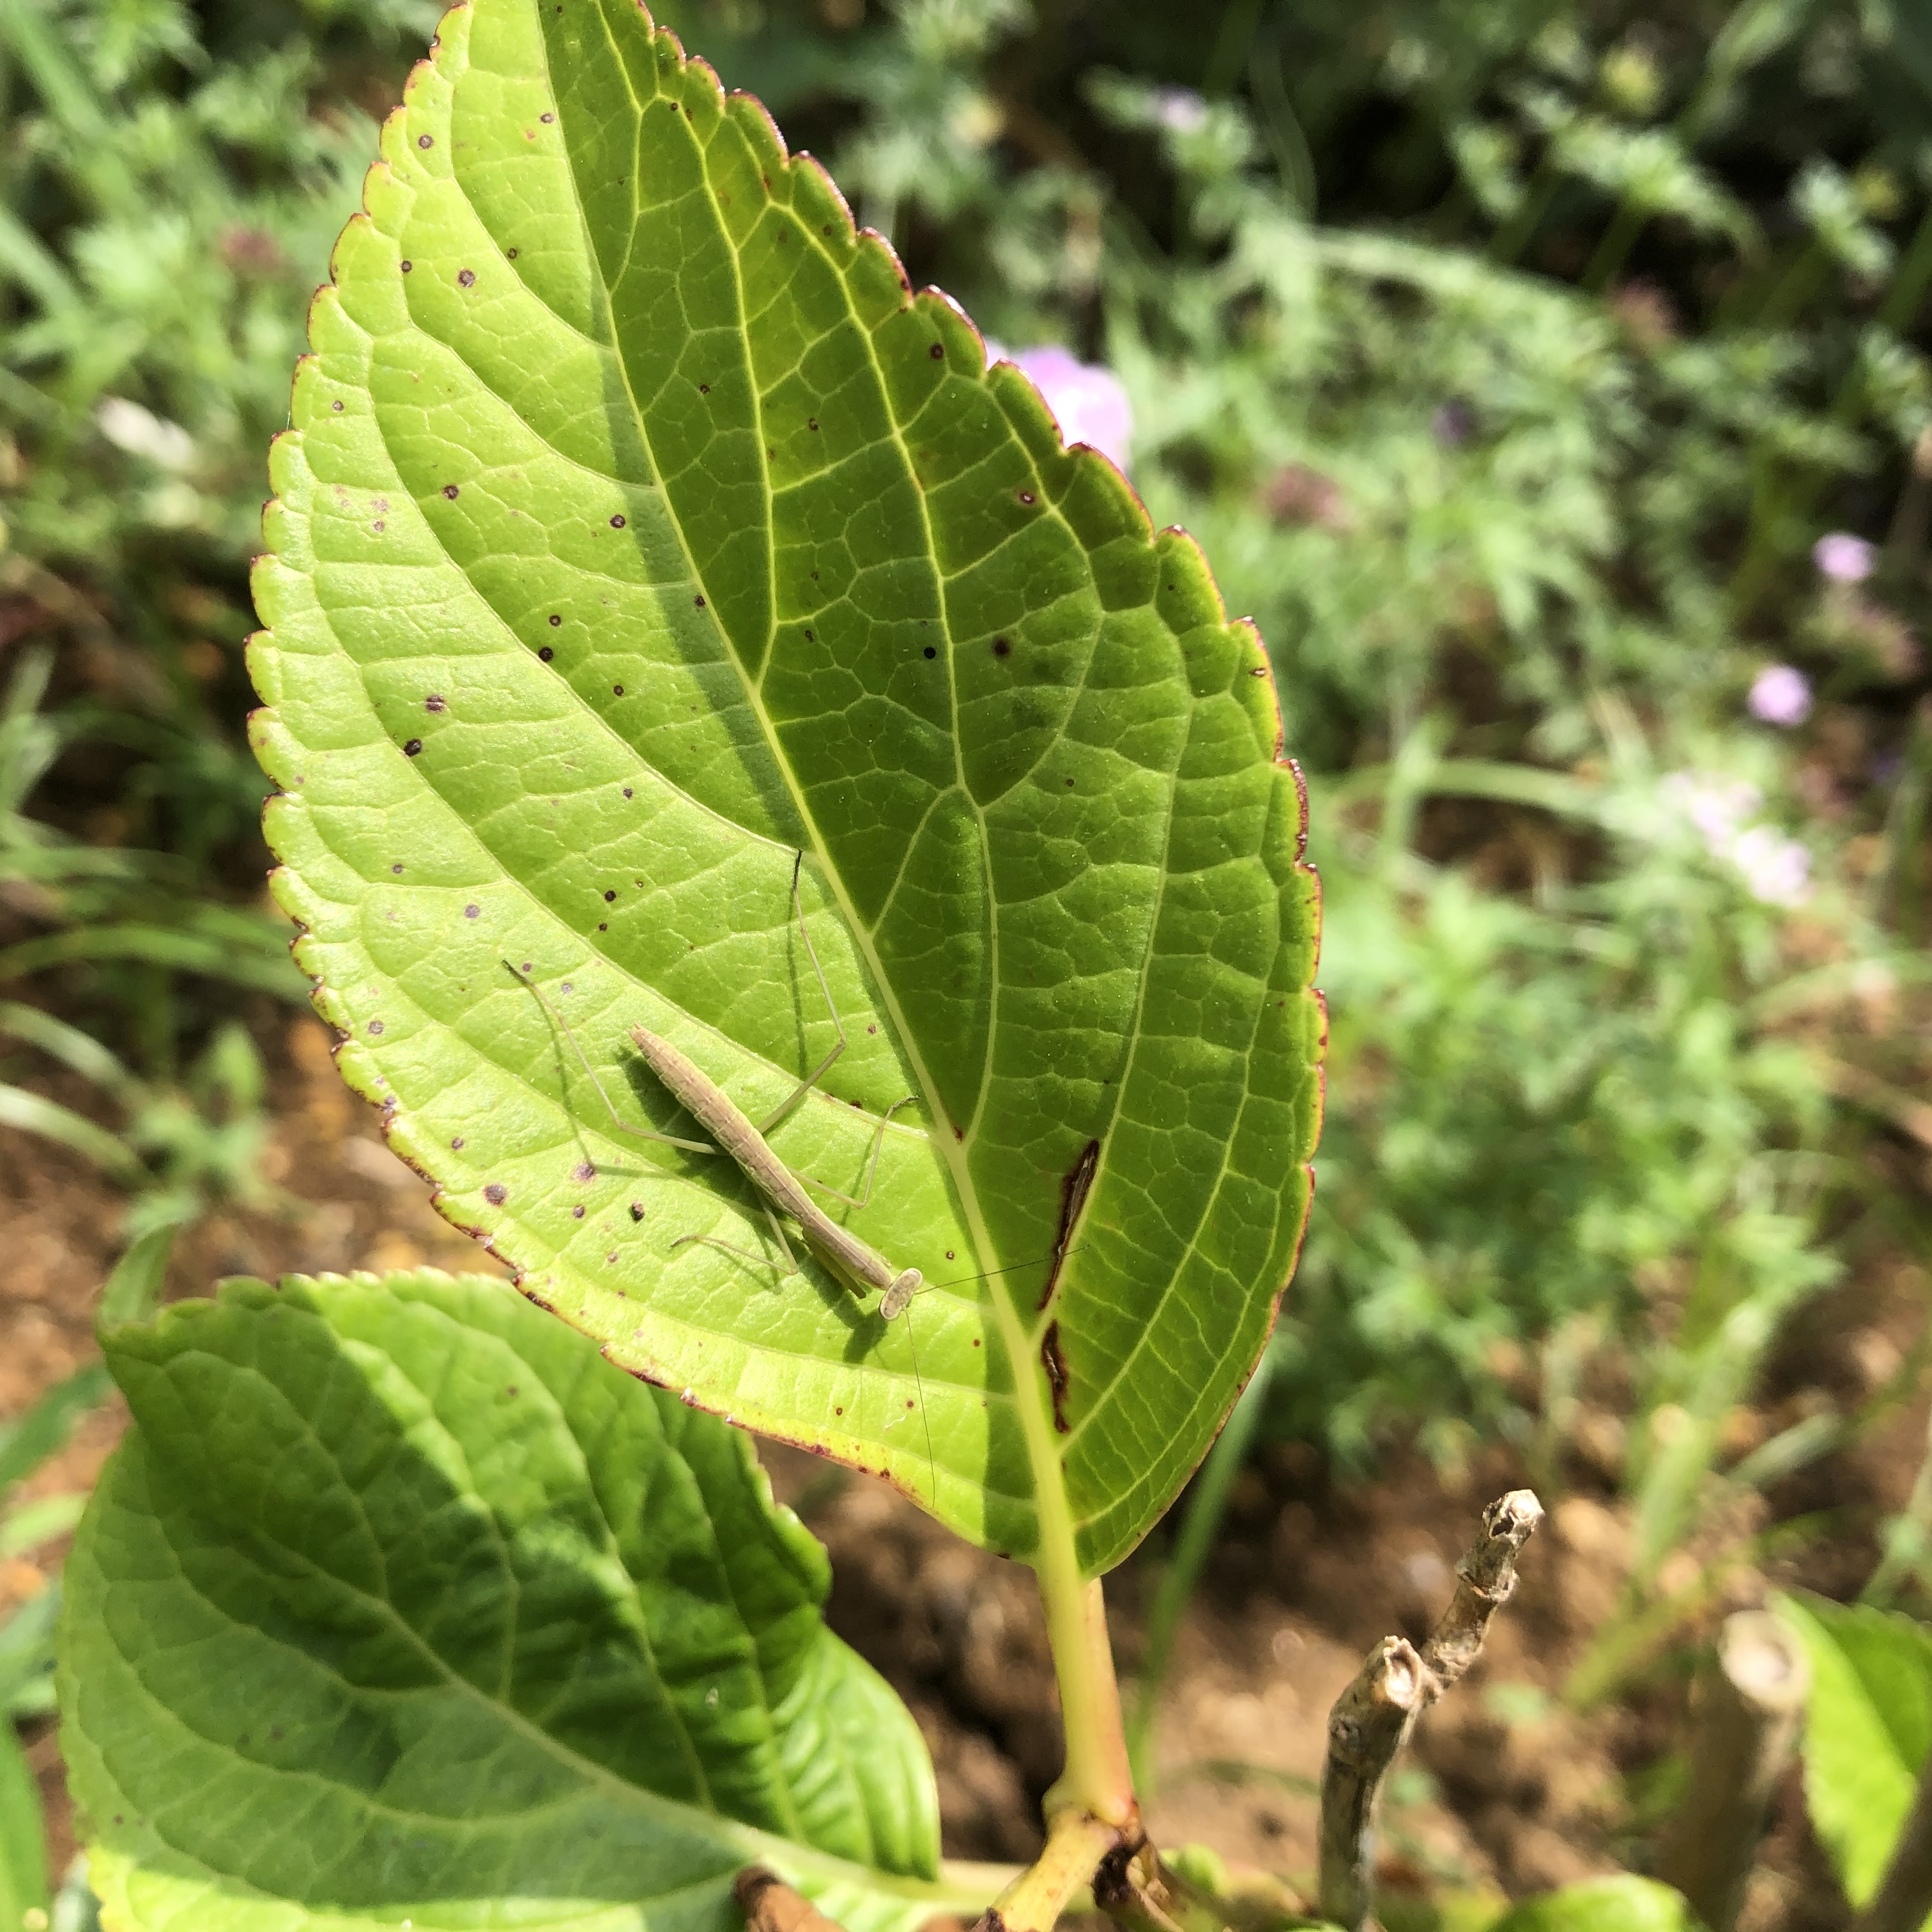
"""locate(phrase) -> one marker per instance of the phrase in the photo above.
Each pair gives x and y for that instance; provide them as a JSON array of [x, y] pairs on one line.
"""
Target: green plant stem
[[1906, 1538], [1516, 233], [1908, 285], [1076, 1842], [1098, 1783], [1631, 1639], [1204, 1511], [1613, 250], [1795, 286]]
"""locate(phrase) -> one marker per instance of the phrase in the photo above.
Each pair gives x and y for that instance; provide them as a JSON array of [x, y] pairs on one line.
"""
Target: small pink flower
[[1716, 806], [1089, 402], [1777, 870], [1844, 558], [1179, 110], [1780, 694]]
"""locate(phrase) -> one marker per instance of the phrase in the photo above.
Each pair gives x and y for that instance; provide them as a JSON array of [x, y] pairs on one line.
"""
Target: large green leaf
[[397, 1605], [23, 1849], [1867, 1728], [1622, 1904], [639, 528]]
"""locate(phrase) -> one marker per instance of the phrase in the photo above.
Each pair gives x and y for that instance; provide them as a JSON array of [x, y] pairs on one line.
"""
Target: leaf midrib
[[1050, 1501]]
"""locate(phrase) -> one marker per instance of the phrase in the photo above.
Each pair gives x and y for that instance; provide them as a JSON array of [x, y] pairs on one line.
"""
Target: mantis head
[[894, 1303]]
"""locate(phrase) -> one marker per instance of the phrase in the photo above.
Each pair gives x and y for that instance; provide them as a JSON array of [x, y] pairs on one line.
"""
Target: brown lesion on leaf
[[1073, 1193], [1053, 1359]]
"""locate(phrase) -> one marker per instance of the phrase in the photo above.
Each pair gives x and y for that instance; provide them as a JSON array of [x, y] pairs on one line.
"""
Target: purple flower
[[1089, 402], [1780, 694], [1844, 558]]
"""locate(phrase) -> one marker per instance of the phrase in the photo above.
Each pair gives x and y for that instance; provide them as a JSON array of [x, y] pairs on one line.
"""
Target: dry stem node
[[1485, 1581], [1373, 1716], [770, 1905], [1076, 1844], [1745, 1716]]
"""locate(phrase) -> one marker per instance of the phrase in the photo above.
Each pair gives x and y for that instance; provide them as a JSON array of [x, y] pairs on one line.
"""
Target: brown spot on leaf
[[497, 1194], [1073, 1193], [1053, 1359]]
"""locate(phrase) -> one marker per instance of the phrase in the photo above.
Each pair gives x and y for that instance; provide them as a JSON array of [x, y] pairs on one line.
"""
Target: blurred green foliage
[[1508, 358]]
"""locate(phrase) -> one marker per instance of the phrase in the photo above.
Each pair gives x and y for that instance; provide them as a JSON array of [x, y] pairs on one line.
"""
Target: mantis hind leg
[[617, 1120], [825, 1065], [871, 1166], [745, 1254]]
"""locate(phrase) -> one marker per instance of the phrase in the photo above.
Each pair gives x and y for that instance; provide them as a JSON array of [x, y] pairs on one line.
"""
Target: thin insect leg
[[824, 1066], [745, 1254], [925, 1416], [872, 1169], [563, 1026], [778, 1229]]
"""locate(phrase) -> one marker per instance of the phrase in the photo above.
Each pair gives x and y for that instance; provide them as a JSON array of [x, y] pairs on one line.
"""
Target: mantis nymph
[[852, 1261], [715, 1110], [856, 1261]]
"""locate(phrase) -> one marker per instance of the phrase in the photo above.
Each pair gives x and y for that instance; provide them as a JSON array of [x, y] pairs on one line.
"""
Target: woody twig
[[770, 1905], [1745, 1716], [1373, 1717]]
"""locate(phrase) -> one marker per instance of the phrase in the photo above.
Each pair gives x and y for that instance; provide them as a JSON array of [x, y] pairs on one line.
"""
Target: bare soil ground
[[1508, 1788]]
